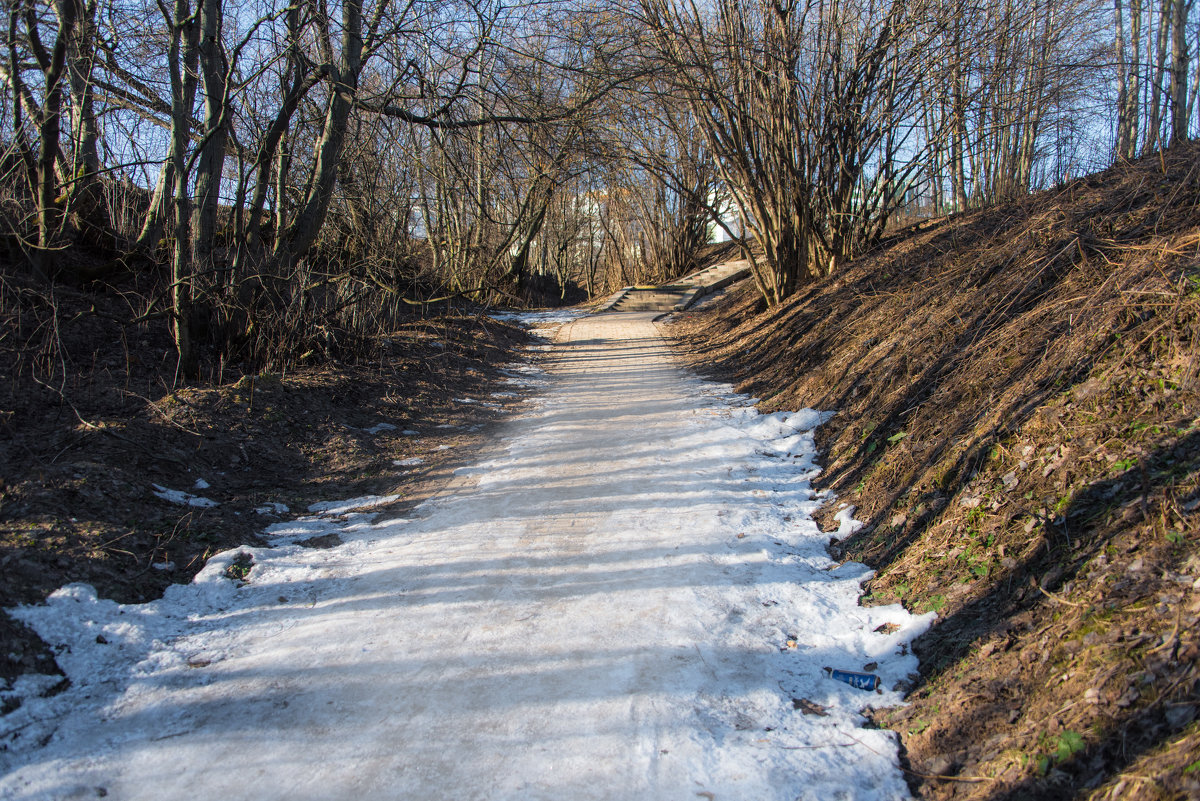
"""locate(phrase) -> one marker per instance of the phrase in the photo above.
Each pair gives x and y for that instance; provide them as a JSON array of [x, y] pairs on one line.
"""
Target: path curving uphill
[[625, 599]]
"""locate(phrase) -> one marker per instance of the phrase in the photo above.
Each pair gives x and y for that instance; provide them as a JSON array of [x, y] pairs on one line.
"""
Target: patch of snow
[[847, 525], [628, 598], [526, 375], [540, 318], [334, 508], [301, 529], [28, 685], [409, 462], [272, 508], [408, 432], [201, 484], [379, 428], [542, 324], [183, 498]]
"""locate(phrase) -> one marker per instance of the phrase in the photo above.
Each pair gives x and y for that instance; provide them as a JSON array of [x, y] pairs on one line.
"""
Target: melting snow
[[333, 508], [183, 498], [626, 598]]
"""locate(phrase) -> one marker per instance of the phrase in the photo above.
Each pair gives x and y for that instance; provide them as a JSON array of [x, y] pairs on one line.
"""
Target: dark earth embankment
[[1018, 422], [90, 423]]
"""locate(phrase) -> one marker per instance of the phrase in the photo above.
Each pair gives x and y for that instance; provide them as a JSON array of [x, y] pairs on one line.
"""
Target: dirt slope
[[1018, 422], [82, 445]]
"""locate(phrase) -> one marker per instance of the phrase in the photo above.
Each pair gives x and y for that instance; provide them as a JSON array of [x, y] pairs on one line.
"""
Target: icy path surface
[[625, 599]]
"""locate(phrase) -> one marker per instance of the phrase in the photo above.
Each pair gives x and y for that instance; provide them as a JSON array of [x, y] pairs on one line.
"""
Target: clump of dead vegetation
[[93, 427], [1018, 422]]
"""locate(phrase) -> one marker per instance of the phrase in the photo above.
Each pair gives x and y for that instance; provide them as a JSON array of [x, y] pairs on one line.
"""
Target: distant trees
[[658, 187]]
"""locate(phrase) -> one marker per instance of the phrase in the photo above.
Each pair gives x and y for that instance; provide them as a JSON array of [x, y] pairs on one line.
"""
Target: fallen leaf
[[809, 707]]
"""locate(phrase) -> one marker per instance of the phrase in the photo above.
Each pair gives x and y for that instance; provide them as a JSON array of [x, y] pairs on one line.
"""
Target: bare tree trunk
[[266, 159], [1195, 82], [211, 163], [85, 192], [179, 56], [1124, 123], [958, 135], [1157, 92], [161, 201], [302, 232], [1179, 72]]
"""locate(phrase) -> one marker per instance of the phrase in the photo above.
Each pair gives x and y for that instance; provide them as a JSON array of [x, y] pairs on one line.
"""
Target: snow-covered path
[[601, 608]]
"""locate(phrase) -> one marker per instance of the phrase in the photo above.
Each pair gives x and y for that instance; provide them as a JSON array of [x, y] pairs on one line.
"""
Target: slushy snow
[[184, 498], [626, 598]]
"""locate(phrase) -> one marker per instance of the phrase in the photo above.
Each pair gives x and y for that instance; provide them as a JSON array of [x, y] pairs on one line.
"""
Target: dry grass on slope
[[1018, 421], [89, 425]]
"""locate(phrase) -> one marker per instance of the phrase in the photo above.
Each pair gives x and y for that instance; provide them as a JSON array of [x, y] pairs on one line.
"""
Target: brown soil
[[90, 424], [1018, 422]]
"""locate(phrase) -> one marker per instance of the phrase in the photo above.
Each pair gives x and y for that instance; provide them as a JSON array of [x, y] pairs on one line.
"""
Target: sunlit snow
[[625, 598]]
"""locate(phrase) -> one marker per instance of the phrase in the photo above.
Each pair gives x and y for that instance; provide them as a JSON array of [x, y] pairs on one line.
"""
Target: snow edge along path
[[620, 600]]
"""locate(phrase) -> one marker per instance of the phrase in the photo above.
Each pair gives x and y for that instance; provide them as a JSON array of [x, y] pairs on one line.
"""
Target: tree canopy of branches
[[295, 174], [827, 117]]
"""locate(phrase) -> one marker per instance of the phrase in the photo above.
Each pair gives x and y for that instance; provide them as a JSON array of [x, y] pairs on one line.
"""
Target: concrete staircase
[[662, 298], [680, 294]]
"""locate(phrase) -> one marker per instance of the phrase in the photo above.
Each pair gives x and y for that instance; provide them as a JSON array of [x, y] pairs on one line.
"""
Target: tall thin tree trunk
[[1133, 107], [183, 38], [211, 163], [302, 232], [160, 208], [1179, 72], [1124, 124], [1157, 92], [84, 196]]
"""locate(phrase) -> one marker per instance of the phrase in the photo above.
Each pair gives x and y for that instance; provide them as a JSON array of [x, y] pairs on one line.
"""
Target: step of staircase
[[649, 300], [678, 295]]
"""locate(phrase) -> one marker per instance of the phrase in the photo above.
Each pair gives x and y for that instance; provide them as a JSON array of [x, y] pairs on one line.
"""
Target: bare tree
[[1179, 70], [26, 25], [809, 108], [1154, 68]]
